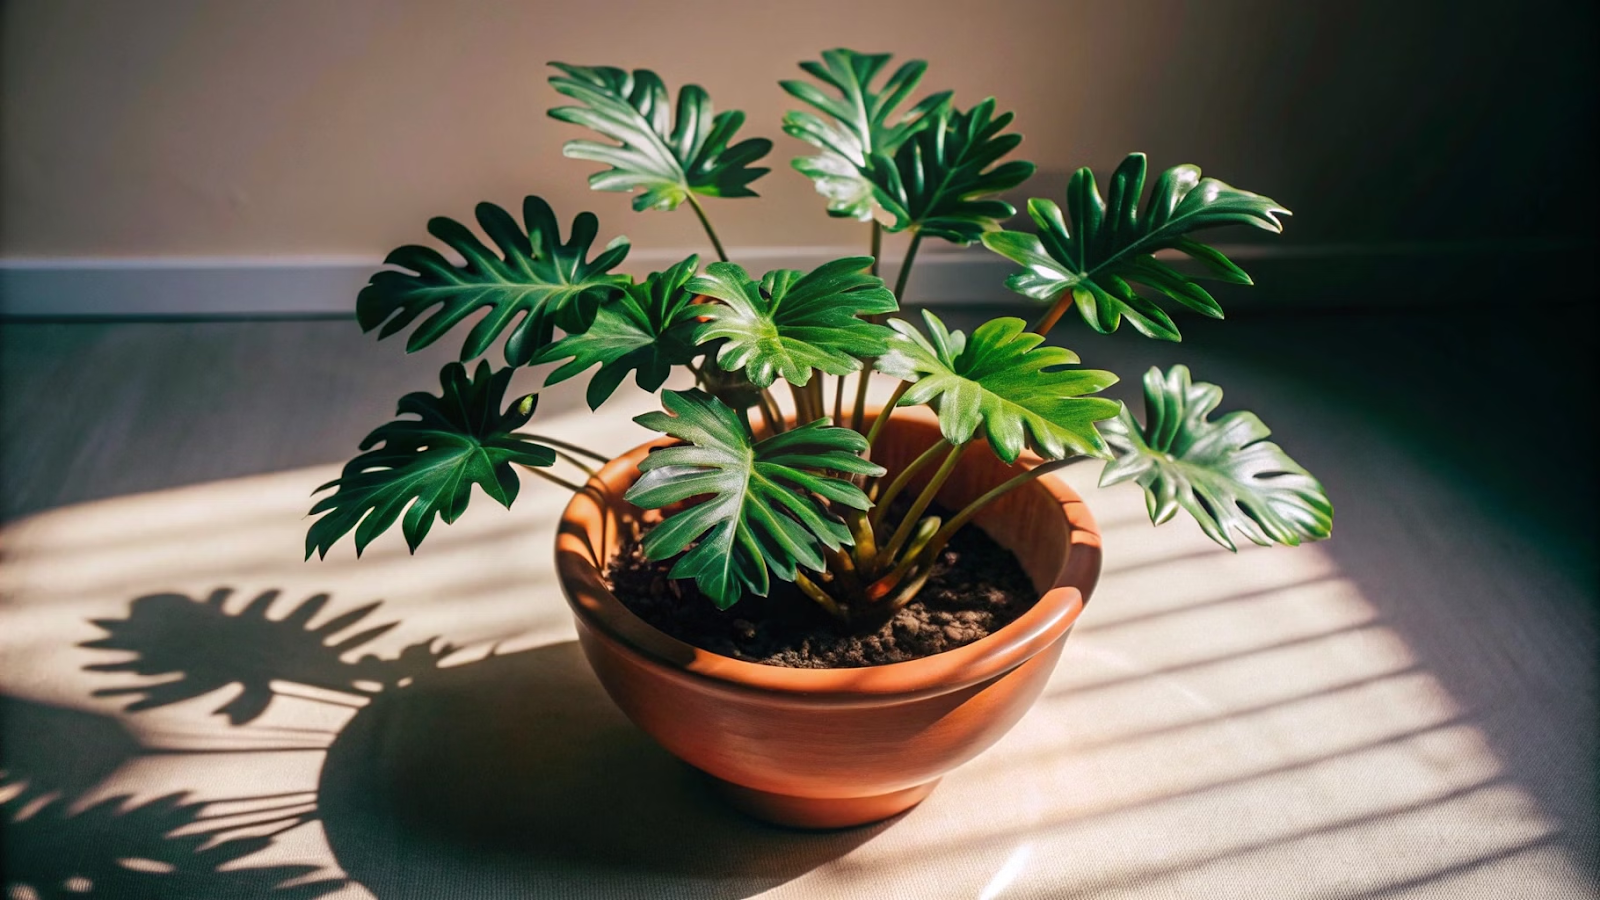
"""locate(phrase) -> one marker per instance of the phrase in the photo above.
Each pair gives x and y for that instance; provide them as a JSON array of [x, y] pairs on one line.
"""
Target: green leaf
[[427, 466], [860, 122], [535, 281], [1224, 472], [665, 154], [760, 506], [1003, 382], [647, 329], [940, 181], [793, 322], [1110, 248]]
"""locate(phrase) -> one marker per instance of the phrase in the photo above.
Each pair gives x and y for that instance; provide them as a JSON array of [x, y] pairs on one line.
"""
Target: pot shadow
[[515, 776]]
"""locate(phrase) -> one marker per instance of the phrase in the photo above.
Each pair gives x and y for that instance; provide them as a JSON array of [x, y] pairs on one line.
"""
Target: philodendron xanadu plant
[[801, 500]]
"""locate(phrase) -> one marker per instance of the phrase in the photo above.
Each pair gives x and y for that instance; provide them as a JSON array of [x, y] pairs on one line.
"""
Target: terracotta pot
[[827, 748]]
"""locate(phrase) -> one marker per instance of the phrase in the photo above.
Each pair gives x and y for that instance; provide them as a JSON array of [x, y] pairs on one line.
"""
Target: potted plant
[[825, 610]]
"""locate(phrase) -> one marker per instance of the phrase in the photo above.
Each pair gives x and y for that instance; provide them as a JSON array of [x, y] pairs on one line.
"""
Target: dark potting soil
[[976, 588]]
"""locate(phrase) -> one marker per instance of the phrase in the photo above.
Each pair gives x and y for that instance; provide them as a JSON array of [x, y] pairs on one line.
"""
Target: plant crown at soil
[[772, 473]]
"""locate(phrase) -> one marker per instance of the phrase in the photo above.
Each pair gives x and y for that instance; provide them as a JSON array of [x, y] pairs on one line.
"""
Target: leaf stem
[[883, 417], [766, 415], [810, 589], [583, 451], [802, 404], [769, 411], [961, 518], [577, 463], [904, 478], [1050, 318], [838, 400], [909, 524], [554, 479], [905, 266], [866, 370], [860, 412], [706, 224], [819, 403]]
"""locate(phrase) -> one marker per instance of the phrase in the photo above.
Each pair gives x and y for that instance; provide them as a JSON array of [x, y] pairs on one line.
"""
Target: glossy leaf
[[646, 330], [943, 181], [532, 285], [1224, 472], [760, 508], [663, 153], [793, 322], [1002, 382], [1109, 248], [860, 121], [426, 467]]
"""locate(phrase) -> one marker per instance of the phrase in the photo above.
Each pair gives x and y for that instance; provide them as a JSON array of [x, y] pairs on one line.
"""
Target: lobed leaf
[[426, 467], [1110, 246], [646, 329], [1003, 382], [943, 181], [532, 285], [761, 504], [792, 322], [663, 153], [859, 123], [1225, 472]]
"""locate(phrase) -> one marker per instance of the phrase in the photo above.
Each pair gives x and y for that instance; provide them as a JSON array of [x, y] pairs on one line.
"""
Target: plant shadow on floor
[[56, 846], [512, 775]]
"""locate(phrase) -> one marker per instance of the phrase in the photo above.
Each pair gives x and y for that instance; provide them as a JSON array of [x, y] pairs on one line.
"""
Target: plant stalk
[[563, 445], [706, 224], [881, 508], [859, 414], [810, 589], [905, 267], [554, 479], [908, 525], [769, 410], [766, 415], [576, 463], [1050, 318], [814, 393], [883, 417], [803, 412], [948, 531]]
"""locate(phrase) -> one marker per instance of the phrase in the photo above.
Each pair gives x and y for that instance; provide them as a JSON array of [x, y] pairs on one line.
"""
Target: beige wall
[[164, 127]]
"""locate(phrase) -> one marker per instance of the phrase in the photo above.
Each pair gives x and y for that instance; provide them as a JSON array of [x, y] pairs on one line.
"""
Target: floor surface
[[1405, 710]]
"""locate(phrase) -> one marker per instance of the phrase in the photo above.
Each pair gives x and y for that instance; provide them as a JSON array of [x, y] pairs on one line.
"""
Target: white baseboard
[[297, 286], [219, 286]]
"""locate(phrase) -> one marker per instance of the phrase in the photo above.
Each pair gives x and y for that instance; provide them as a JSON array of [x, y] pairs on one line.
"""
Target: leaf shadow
[[112, 849], [206, 648], [506, 776], [55, 846]]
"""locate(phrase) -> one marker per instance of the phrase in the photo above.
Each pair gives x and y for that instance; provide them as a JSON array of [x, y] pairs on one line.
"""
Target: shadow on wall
[[509, 776]]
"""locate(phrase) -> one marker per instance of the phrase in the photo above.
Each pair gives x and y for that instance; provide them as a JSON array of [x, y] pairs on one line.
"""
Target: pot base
[[819, 813]]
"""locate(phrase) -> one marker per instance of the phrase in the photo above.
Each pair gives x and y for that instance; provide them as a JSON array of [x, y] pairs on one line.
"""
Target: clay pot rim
[[1046, 622]]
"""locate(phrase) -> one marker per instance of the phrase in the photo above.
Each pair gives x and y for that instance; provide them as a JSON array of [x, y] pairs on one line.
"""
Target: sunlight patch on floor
[[1219, 722]]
